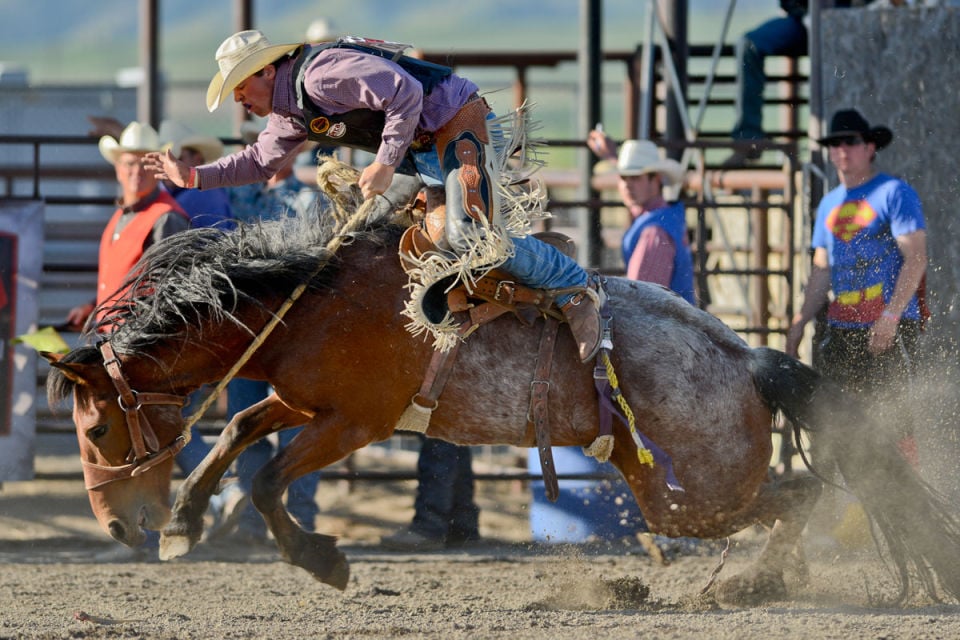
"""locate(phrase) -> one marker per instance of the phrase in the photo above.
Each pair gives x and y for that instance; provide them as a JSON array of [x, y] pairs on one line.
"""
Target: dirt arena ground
[[506, 587]]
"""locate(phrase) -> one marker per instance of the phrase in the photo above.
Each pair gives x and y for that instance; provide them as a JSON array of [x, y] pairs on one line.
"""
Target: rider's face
[[255, 93]]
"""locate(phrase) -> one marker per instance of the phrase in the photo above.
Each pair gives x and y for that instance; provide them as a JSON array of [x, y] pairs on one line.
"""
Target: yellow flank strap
[[643, 454]]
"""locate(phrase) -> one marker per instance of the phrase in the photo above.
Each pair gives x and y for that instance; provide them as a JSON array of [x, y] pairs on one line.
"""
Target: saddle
[[489, 297]]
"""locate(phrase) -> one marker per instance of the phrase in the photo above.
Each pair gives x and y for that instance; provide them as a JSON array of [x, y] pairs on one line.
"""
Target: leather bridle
[[145, 452]]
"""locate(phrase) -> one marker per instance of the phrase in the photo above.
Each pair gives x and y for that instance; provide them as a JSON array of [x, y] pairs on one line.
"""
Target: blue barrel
[[586, 510]]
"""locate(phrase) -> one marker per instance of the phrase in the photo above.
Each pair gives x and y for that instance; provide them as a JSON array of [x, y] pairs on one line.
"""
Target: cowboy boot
[[582, 313], [467, 159]]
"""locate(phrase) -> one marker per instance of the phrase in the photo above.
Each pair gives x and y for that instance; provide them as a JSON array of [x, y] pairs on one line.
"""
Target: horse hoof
[[318, 554], [173, 546], [339, 575], [751, 588]]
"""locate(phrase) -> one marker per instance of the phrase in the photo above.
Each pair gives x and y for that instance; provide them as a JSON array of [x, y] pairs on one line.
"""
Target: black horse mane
[[208, 273]]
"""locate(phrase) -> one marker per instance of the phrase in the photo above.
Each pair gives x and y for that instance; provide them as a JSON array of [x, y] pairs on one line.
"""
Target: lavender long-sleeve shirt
[[337, 81]]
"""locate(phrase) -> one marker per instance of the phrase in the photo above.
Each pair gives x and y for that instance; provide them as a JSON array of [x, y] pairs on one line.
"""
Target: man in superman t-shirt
[[870, 250]]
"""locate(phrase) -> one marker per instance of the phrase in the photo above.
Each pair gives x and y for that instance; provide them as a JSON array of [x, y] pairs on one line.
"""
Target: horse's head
[[127, 438]]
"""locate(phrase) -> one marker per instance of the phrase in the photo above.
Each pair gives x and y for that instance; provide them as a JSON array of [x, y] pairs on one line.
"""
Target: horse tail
[[917, 524]]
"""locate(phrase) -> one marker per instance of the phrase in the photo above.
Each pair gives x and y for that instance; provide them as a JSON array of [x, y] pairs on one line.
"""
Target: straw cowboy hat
[[638, 157], [849, 122], [175, 136], [136, 138], [239, 57]]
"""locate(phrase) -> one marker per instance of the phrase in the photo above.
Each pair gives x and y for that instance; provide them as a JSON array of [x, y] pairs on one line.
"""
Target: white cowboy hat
[[322, 30], [239, 57], [250, 130], [638, 157], [136, 138], [175, 136]]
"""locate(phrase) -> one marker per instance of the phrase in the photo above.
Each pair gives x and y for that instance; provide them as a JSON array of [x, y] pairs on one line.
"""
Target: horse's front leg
[[319, 444], [185, 528]]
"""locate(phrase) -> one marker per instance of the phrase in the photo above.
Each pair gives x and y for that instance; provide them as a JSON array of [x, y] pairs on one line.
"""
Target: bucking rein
[[488, 297]]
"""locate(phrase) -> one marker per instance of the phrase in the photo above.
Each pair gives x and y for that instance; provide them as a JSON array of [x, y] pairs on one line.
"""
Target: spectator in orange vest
[[146, 214]]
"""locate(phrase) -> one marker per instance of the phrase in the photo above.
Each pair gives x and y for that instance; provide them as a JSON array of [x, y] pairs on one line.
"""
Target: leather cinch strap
[[539, 400]]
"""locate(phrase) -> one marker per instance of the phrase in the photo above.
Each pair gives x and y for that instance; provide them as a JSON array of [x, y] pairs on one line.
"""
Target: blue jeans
[[189, 457], [539, 265], [444, 507], [784, 36], [301, 494]]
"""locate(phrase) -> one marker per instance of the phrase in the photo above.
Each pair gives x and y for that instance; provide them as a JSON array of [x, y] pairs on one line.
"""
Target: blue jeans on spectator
[[301, 494], [444, 506], [784, 36], [196, 450], [189, 457]]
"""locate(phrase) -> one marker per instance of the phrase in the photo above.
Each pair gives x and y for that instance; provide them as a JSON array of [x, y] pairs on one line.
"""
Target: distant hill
[[61, 41], [66, 42]]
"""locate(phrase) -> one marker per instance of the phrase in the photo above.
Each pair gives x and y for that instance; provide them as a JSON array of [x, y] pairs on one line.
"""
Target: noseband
[[145, 452]]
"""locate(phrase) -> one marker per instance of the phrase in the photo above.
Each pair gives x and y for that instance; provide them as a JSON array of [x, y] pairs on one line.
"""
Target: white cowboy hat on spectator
[[136, 138], [175, 136], [239, 57], [638, 157], [250, 130], [322, 30]]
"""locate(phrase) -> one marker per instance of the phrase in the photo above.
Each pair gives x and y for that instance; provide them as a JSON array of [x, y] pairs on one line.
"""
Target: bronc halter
[[145, 452]]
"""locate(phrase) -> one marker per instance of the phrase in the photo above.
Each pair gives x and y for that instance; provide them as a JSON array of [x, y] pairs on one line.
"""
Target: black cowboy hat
[[849, 122]]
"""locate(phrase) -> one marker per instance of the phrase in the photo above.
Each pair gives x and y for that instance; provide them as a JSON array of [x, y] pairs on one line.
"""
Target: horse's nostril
[[117, 530]]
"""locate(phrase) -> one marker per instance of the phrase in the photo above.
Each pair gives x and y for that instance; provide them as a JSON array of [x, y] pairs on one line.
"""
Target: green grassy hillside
[[66, 42]]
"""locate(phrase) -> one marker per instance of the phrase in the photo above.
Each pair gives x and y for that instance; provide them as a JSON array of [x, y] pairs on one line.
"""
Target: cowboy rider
[[411, 114]]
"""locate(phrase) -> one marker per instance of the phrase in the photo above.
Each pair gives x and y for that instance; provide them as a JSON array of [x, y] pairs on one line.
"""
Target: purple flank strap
[[606, 416]]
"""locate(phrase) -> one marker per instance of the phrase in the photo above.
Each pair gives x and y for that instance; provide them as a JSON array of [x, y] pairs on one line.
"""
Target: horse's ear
[[73, 371], [52, 358]]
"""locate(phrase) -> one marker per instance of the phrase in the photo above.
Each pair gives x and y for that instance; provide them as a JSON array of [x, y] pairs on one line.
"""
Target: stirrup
[[582, 313]]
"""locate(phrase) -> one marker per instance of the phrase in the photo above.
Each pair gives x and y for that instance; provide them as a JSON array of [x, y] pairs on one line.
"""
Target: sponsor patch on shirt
[[337, 130], [319, 125]]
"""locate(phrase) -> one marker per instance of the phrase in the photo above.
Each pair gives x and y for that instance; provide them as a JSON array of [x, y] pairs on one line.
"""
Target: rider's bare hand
[[375, 179], [165, 167]]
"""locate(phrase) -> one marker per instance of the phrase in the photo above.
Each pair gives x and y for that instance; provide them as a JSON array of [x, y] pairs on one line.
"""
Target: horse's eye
[[97, 432]]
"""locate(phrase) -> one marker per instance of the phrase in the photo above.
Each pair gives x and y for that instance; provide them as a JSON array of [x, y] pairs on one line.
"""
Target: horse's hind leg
[[785, 507], [185, 528], [317, 445]]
